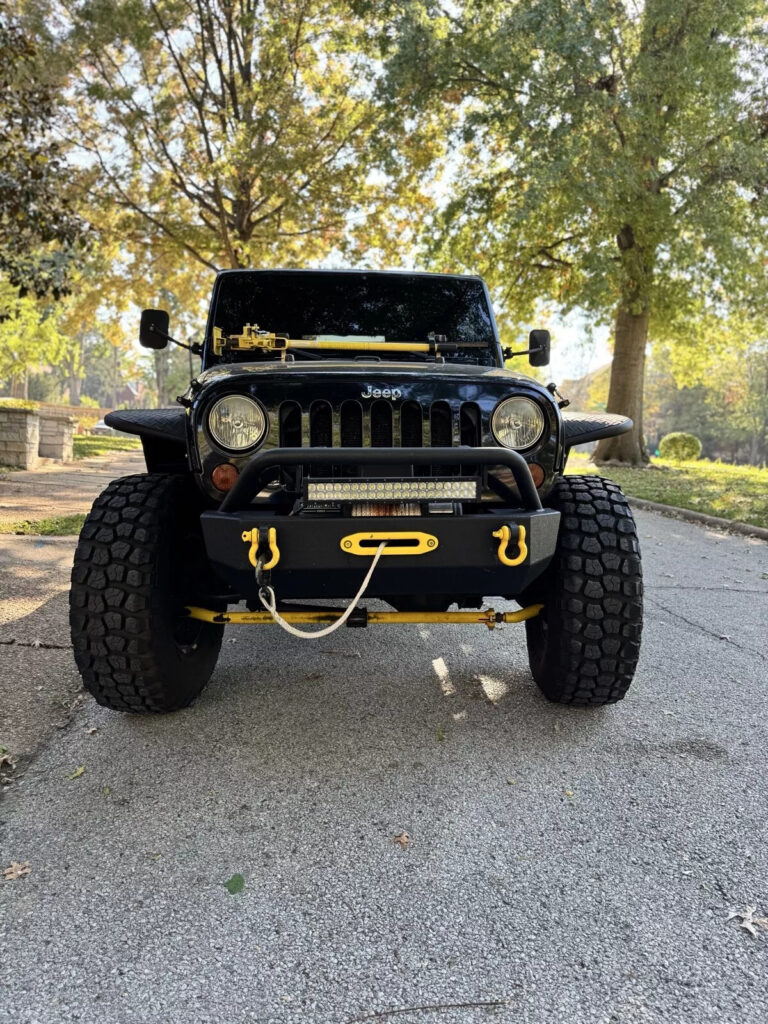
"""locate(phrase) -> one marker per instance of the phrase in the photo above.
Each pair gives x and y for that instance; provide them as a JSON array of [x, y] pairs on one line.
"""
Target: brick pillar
[[56, 430], [19, 438]]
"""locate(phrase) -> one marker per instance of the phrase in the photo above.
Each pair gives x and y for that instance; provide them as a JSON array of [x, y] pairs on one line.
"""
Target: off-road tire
[[139, 561], [584, 644]]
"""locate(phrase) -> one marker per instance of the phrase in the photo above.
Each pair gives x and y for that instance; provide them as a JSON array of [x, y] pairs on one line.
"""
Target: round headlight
[[237, 422], [518, 423]]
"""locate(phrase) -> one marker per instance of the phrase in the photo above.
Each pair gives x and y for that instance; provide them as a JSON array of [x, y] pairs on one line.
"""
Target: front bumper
[[326, 556], [314, 561]]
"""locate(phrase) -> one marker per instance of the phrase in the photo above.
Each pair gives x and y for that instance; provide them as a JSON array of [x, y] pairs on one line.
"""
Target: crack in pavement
[[707, 632], [713, 590], [35, 644]]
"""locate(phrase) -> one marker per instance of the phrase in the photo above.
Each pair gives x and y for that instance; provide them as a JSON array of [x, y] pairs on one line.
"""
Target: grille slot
[[381, 425], [290, 425], [351, 416], [469, 425], [440, 422], [411, 425], [320, 425]]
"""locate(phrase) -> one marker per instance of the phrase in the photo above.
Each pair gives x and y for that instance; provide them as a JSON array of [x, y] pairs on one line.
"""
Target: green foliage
[[85, 446], [17, 403], [39, 231], [239, 134], [611, 157], [716, 488], [234, 885], [680, 447], [609, 154], [52, 526], [29, 333]]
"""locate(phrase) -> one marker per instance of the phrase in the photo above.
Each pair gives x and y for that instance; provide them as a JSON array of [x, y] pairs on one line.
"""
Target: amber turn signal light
[[537, 472], [224, 476]]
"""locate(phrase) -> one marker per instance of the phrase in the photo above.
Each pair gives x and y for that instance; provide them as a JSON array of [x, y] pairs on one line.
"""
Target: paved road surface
[[567, 865], [61, 489]]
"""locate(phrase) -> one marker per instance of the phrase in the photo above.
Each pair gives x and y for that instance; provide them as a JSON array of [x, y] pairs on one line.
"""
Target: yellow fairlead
[[412, 542], [505, 534]]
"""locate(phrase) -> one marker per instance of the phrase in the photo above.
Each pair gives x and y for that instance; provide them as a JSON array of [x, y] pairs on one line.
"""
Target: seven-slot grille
[[380, 424]]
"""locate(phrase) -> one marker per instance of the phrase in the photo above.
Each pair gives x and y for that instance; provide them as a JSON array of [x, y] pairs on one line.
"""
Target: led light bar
[[411, 489]]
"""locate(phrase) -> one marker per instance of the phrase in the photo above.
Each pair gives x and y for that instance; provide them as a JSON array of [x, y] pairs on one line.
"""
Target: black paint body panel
[[312, 564]]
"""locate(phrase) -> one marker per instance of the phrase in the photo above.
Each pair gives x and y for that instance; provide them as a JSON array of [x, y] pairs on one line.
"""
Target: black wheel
[[139, 561], [584, 644]]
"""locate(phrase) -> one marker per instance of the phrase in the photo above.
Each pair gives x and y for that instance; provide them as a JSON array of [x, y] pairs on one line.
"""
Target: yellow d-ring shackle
[[505, 534], [252, 537]]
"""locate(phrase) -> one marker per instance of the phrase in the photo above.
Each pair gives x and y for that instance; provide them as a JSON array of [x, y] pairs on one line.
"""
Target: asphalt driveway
[[562, 865]]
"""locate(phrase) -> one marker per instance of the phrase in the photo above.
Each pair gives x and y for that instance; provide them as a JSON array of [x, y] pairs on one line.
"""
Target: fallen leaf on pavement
[[77, 772], [235, 884], [569, 793], [747, 920], [16, 870], [403, 839]]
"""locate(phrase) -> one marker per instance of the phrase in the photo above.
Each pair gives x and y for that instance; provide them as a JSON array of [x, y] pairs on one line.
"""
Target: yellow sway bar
[[505, 535], [488, 618]]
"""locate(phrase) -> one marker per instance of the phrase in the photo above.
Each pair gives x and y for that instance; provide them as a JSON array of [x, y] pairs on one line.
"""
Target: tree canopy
[[39, 230], [239, 131], [613, 158]]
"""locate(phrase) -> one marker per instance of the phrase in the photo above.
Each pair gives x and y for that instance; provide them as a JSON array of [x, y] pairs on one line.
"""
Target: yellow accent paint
[[487, 618], [352, 544], [504, 534], [252, 537], [252, 338]]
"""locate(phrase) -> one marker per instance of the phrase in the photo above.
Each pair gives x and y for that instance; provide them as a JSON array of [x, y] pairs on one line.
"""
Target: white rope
[[270, 603]]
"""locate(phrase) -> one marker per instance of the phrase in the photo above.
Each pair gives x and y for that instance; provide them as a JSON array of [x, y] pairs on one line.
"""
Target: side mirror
[[153, 329], [538, 345]]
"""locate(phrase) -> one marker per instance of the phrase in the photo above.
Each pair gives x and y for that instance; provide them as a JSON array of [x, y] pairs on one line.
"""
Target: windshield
[[357, 306]]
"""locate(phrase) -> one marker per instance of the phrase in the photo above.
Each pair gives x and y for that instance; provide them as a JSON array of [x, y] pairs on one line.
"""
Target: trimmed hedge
[[680, 447]]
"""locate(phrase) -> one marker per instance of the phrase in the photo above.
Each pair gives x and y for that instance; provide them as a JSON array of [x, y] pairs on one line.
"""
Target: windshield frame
[[209, 359]]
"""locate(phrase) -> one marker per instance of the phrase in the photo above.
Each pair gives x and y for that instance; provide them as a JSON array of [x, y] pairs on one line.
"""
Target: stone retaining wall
[[56, 432], [19, 438]]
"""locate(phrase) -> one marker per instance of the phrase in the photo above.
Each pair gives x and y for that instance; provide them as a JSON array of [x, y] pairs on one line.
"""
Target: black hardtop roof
[[347, 270]]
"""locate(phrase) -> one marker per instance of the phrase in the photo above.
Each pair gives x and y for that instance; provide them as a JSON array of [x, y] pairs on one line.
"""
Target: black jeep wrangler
[[354, 432]]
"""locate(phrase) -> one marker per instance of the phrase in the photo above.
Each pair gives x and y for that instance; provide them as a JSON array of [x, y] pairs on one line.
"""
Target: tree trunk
[[20, 385], [161, 376], [74, 387], [625, 394]]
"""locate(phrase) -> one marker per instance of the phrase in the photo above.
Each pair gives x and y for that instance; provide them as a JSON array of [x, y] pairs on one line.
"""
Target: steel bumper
[[327, 557]]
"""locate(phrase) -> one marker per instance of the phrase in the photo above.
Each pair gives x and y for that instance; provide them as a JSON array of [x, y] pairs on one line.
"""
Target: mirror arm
[[195, 348], [508, 353]]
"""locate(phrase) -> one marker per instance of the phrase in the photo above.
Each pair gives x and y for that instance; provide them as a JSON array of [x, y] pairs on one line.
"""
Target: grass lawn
[[52, 526], [87, 445], [716, 488]]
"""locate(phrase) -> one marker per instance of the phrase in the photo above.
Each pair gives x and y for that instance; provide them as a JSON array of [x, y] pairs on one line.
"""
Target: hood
[[364, 371]]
